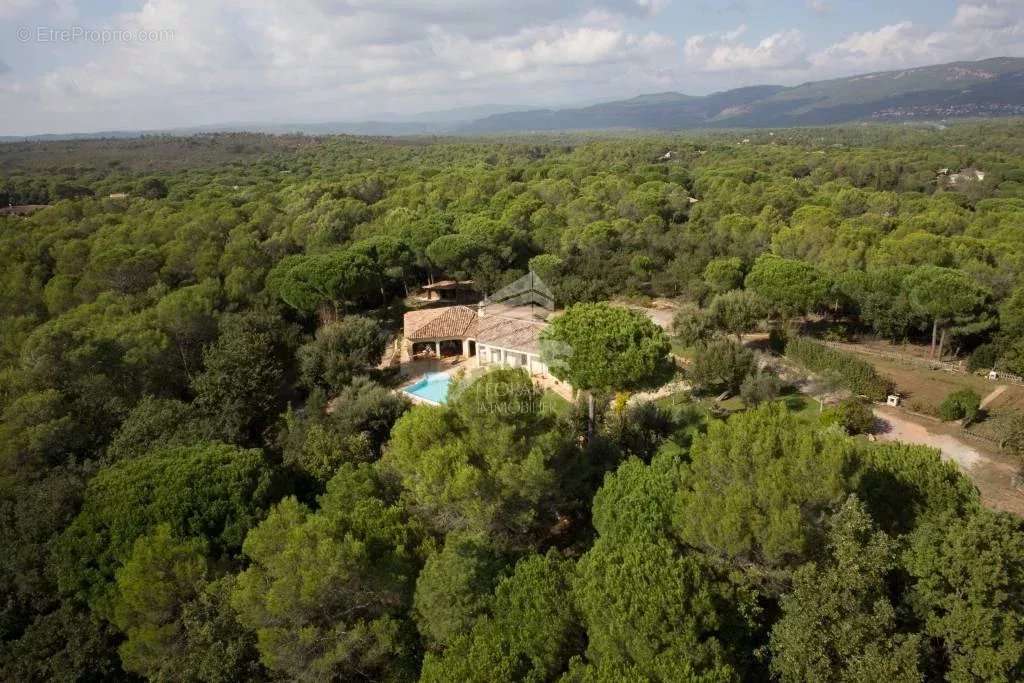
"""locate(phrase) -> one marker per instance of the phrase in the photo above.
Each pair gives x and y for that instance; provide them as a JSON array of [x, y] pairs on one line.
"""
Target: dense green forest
[[205, 477]]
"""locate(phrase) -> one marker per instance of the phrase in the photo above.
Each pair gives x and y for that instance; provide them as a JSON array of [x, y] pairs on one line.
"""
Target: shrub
[[760, 387], [721, 365], [691, 325], [837, 333], [848, 371], [983, 358], [1011, 435], [1011, 358], [962, 404], [855, 416], [777, 339], [339, 351]]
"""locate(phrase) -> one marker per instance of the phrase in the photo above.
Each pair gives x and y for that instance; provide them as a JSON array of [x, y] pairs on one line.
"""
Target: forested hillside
[[989, 87], [205, 477]]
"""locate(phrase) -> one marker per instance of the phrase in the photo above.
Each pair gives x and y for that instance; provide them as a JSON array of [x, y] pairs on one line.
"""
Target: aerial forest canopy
[[206, 476]]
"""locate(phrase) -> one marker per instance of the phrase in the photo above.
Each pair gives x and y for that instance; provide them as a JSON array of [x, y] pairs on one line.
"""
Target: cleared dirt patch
[[1011, 399], [992, 472], [923, 389]]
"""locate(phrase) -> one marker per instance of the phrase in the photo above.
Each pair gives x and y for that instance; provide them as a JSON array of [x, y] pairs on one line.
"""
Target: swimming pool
[[433, 387]]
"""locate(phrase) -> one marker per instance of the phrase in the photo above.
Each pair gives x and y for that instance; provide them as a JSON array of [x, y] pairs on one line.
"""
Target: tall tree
[[597, 347], [649, 614], [637, 500], [969, 592], [246, 379], [737, 312], [455, 587], [724, 274], [837, 622], [791, 287], [158, 578], [212, 492], [529, 635], [340, 350], [759, 486], [332, 280], [326, 591], [487, 462], [950, 298]]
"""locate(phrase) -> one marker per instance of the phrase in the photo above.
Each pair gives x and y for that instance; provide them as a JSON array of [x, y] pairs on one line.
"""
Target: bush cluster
[[855, 416], [962, 404], [760, 387], [984, 357], [850, 372]]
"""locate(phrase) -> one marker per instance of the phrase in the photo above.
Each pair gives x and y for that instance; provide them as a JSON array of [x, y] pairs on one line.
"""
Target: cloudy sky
[[85, 65]]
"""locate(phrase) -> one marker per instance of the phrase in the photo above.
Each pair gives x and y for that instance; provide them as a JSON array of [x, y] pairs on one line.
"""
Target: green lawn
[[686, 352], [555, 404], [802, 406], [678, 398], [732, 404]]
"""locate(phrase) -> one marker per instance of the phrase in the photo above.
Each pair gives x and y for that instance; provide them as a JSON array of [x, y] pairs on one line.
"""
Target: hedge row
[[848, 371]]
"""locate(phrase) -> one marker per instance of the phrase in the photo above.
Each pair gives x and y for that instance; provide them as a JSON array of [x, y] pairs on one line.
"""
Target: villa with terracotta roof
[[491, 335]]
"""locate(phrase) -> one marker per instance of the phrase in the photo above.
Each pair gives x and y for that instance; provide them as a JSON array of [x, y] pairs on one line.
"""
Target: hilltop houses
[[960, 178]]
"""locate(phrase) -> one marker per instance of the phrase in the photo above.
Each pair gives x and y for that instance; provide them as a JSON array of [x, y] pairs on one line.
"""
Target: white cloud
[[979, 28], [652, 6], [893, 46], [13, 8], [321, 60], [989, 14], [537, 49], [726, 52], [307, 60], [64, 10]]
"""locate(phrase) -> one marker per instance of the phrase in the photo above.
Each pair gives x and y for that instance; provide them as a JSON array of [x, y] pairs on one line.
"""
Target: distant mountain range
[[992, 87], [423, 123], [986, 88]]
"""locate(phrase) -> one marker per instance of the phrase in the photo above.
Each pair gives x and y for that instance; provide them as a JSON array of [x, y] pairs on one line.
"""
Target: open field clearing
[[923, 389]]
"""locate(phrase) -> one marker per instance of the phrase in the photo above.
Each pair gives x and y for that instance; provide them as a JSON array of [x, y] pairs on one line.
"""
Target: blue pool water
[[433, 387]]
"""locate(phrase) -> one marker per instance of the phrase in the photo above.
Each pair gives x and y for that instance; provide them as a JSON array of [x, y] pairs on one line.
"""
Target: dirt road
[[996, 393], [661, 312], [992, 473]]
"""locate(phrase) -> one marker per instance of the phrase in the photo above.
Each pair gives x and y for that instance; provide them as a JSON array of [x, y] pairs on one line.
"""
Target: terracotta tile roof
[[449, 284], [510, 333], [450, 322]]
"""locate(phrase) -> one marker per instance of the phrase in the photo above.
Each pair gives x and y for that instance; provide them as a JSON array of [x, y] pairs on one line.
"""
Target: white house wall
[[485, 355]]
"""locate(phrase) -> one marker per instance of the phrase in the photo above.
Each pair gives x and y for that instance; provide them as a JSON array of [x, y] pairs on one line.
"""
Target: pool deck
[[416, 398], [415, 371]]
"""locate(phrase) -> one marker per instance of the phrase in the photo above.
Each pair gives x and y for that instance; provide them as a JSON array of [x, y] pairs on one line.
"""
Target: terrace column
[[437, 348], [465, 348]]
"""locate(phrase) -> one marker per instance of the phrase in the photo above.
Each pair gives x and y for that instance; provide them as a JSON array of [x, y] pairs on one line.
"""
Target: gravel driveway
[[993, 473]]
